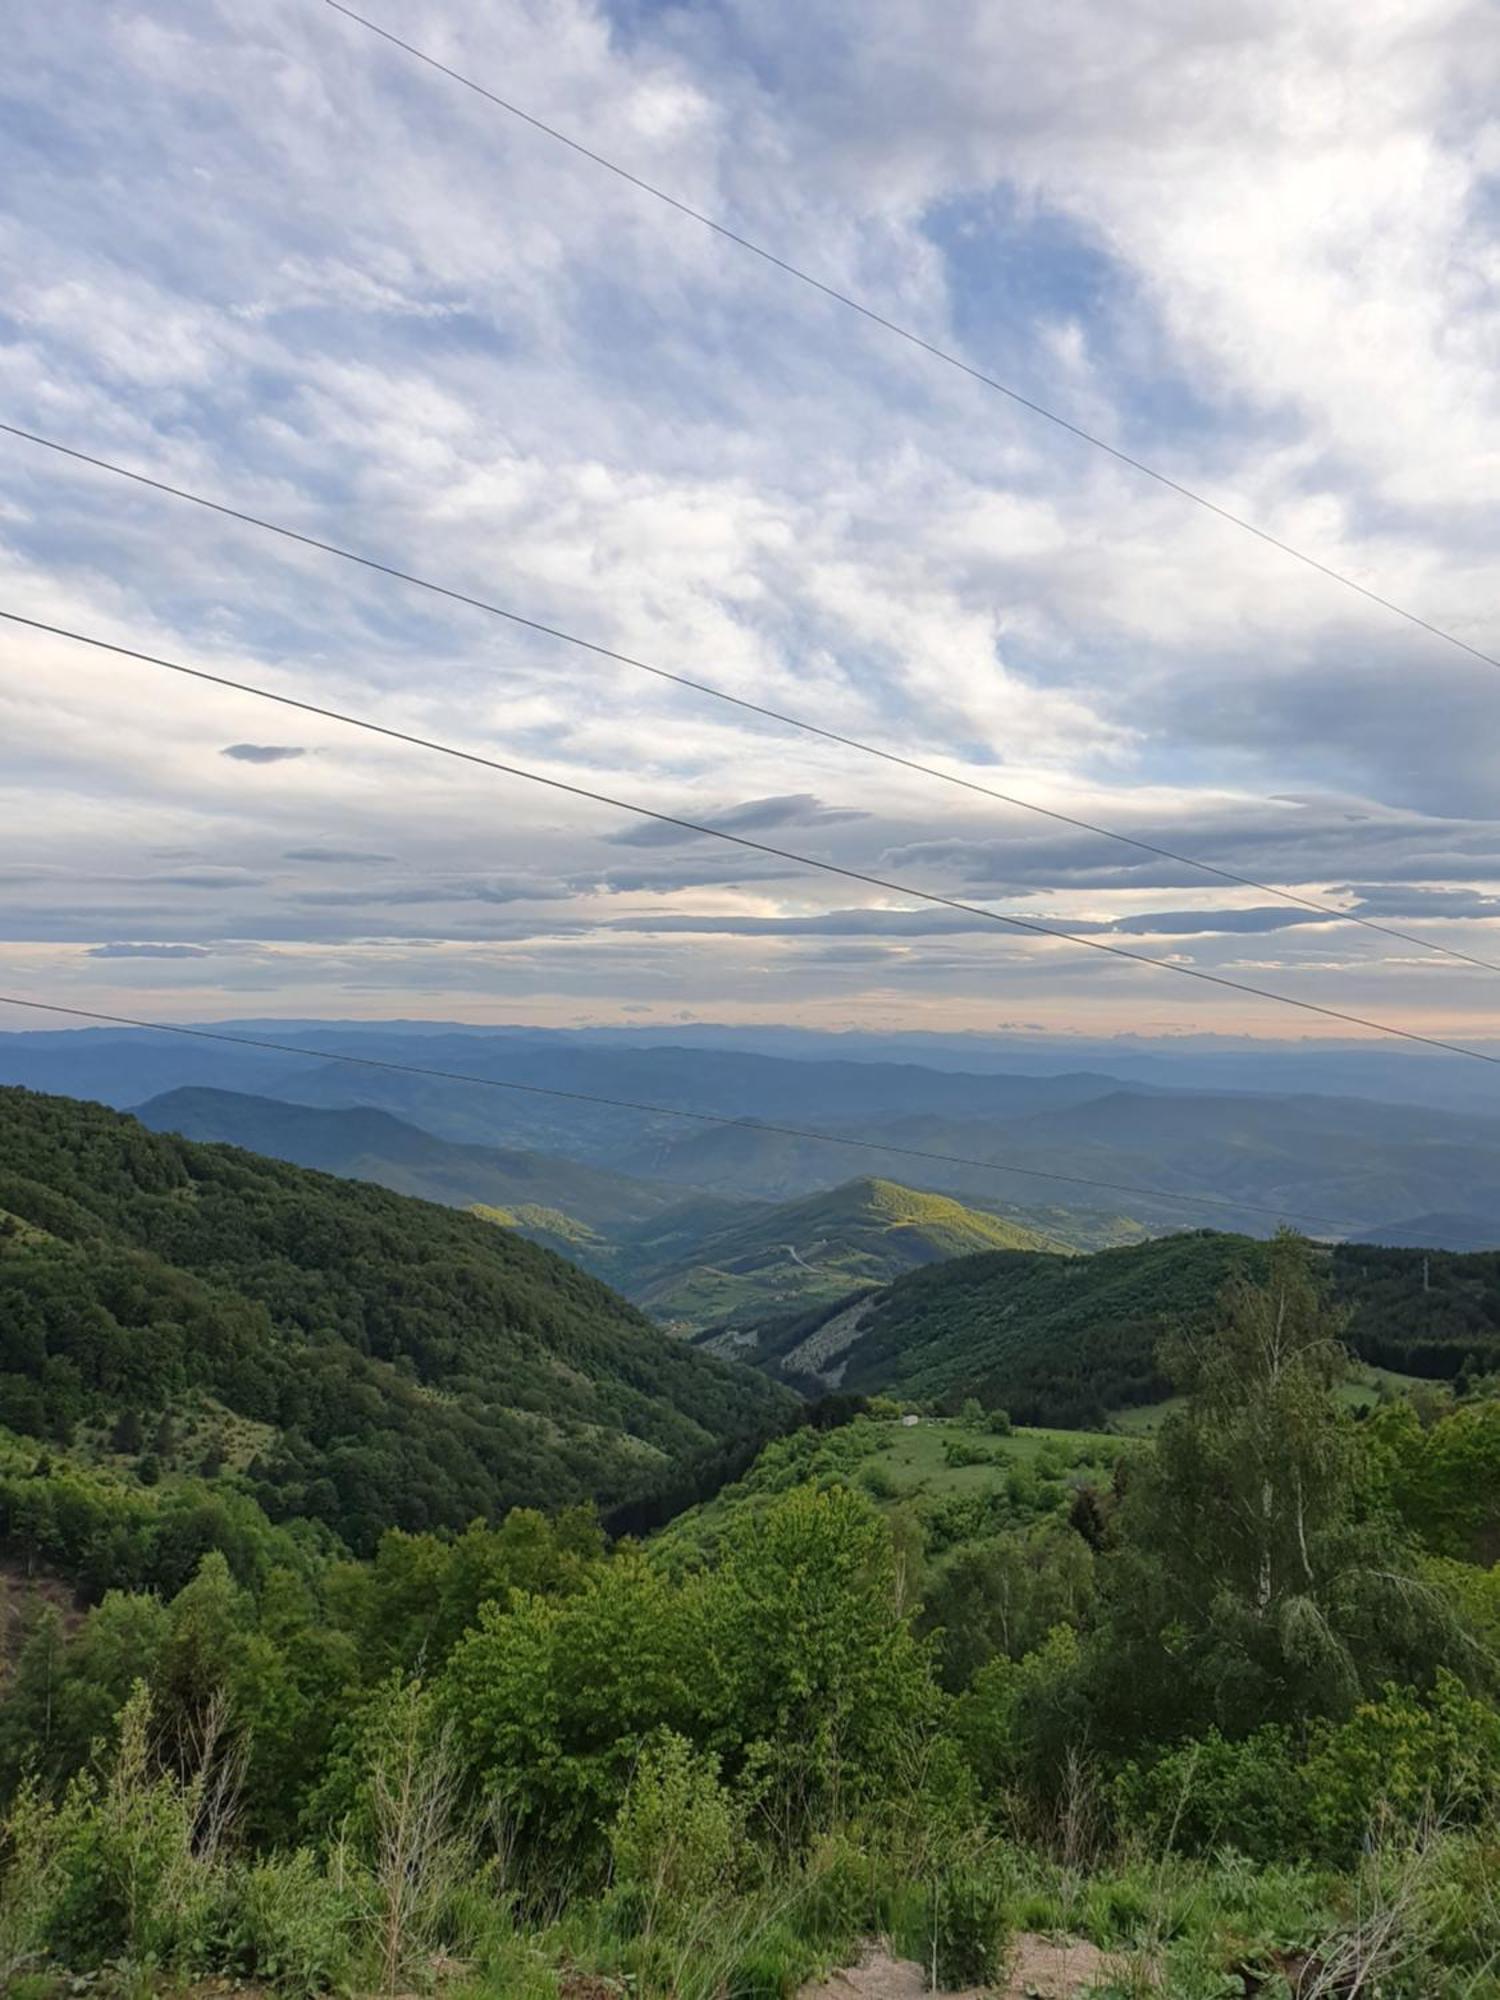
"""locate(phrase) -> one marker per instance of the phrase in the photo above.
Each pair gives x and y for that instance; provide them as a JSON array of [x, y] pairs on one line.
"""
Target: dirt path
[[1038, 1969]]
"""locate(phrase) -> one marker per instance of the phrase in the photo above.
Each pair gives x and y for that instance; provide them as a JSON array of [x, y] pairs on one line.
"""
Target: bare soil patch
[[1039, 1968]]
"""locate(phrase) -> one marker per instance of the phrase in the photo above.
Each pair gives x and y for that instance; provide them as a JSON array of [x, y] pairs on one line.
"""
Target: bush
[[999, 1424], [1404, 1758], [1210, 1794], [967, 1929], [673, 1842], [283, 1921], [839, 1899], [963, 1451], [126, 1865]]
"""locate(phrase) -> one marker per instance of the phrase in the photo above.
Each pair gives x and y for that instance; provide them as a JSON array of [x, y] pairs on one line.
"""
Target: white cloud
[[269, 258]]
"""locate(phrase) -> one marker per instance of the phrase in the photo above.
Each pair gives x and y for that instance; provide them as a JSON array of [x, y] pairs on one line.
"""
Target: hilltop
[[405, 1364], [804, 1252]]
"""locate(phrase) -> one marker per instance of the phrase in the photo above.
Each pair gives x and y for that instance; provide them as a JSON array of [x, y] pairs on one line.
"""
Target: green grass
[[1365, 1388], [915, 1458], [908, 1469]]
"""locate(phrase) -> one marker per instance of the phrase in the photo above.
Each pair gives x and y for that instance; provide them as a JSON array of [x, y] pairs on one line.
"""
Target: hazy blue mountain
[[363, 1143], [1440, 1232], [1346, 1164]]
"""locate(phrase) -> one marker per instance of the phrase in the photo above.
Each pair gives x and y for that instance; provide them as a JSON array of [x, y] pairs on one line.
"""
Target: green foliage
[[961, 1451], [1213, 1793], [967, 1929], [1404, 1758], [1215, 1711], [1443, 1477], [418, 1366], [1002, 1595], [553, 1699], [674, 1839], [1251, 1581], [123, 1865], [281, 1920]]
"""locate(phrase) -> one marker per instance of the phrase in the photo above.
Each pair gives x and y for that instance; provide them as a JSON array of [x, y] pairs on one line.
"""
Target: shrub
[[674, 1839], [126, 1865], [838, 1901], [1210, 1793], [999, 1424], [283, 1921], [1404, 1758], [964, 1451], [966, 1929]]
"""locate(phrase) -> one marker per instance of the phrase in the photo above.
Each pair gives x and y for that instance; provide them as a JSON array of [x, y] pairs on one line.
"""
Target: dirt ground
[[1038, 1969]]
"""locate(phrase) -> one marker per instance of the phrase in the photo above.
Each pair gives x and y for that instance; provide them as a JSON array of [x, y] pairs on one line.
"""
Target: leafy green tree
[[1444, 1476], [806, 1673], [552, 1698], [1252, 1582], [1002, 1595]]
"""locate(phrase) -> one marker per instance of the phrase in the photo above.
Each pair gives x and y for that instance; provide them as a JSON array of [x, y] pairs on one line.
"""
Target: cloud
[[262, 753], [753, 816], [150, 951], [528, 382], [351, 857]]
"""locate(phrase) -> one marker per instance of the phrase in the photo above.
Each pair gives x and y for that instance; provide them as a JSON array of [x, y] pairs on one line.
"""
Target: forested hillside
[[405, 1364], [1067, 1340]]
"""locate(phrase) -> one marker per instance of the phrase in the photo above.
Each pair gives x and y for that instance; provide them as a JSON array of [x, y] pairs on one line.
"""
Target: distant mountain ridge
[[1340, 1165], [1439, 1232], [365, 1143]]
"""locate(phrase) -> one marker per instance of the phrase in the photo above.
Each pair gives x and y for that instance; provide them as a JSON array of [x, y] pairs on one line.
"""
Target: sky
[[251, 249]]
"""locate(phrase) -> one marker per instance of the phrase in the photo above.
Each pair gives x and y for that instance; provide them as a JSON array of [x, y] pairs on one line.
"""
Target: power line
[[927, 347], [1029, 924], [809, 728], [662, 1110]]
